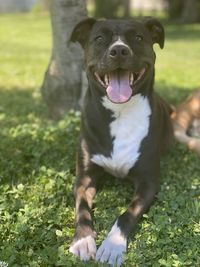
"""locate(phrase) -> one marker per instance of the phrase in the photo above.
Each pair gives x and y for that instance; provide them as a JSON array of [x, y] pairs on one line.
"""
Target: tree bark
[[127, 7], [106, 9], [175, 8], [61, 88], [191, 11], [185, 11]]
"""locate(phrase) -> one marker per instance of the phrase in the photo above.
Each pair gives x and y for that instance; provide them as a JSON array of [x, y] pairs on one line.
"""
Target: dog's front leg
[[114, 246], [83, 244]]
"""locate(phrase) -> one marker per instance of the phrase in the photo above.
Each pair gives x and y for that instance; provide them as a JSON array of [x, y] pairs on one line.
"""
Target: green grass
[[37, 161]]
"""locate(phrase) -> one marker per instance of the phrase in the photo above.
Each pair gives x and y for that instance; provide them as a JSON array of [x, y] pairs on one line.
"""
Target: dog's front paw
[[84, 248], [112, 248], [111, 253]]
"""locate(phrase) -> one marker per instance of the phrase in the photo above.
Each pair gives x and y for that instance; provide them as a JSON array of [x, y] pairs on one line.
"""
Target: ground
[[37, 161]]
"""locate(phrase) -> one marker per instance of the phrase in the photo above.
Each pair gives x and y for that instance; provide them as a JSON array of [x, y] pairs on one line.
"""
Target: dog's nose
[[119, 51]]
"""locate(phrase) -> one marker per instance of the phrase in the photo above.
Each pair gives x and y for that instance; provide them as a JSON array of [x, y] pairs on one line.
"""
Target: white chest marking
[[129, 127]]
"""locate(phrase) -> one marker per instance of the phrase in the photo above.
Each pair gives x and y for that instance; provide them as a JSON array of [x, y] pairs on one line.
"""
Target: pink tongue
[[119, 90]]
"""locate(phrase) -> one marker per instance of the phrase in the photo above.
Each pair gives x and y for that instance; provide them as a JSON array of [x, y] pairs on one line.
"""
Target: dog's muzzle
[[119, 83]]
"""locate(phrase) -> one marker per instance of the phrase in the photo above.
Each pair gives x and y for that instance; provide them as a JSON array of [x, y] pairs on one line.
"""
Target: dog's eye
[[138, 38], [99, 39]]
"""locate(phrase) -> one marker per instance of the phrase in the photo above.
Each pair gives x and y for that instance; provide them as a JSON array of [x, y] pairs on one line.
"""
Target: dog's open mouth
[[119, 83]]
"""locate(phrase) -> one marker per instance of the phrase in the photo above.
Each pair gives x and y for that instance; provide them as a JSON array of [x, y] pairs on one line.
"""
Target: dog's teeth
[[131, 78], [106, 79]]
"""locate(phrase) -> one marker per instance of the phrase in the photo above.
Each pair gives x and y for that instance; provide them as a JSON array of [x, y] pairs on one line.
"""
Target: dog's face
[[119, 53]]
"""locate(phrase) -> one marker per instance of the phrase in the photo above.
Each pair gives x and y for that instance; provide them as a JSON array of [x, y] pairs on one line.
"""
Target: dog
[[186, 122], [125, 127]]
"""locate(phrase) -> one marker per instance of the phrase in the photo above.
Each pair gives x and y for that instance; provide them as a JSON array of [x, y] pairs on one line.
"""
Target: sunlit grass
[[24, 49], [177, 62]]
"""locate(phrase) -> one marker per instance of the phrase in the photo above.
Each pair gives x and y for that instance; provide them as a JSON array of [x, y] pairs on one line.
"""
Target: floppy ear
[[156, 30], [82, 30]]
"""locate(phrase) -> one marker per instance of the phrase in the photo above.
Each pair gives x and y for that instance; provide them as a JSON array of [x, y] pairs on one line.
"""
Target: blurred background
[[185, 11]]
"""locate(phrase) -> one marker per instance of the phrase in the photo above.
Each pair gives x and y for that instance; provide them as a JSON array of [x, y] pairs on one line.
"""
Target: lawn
[[37, 161]]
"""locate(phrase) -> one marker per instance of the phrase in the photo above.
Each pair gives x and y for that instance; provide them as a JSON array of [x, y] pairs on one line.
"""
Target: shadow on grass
[[173, 94], [18, 103], [37, 159], [29, 139], [182, 32]]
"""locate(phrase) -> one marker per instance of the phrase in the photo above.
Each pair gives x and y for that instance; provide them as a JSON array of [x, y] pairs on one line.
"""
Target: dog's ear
[[82, 30], [156, 30]]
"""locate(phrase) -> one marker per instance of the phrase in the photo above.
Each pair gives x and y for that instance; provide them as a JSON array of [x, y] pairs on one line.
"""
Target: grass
[[37, 161]]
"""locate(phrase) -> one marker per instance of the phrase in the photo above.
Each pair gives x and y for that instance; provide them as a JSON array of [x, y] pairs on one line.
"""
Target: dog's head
[[119, 53]]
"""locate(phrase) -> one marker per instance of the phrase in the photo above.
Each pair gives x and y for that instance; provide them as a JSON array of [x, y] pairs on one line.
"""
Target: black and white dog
[[125, 127]]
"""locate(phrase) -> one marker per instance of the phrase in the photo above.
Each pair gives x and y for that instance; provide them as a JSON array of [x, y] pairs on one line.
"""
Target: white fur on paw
[[84, 248], [112, 248]]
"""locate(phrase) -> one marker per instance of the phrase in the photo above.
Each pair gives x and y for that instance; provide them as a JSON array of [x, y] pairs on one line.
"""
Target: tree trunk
[[191, 11], [61, 87], [45, 4], [127, 7], [106, 9], [175, 8]]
